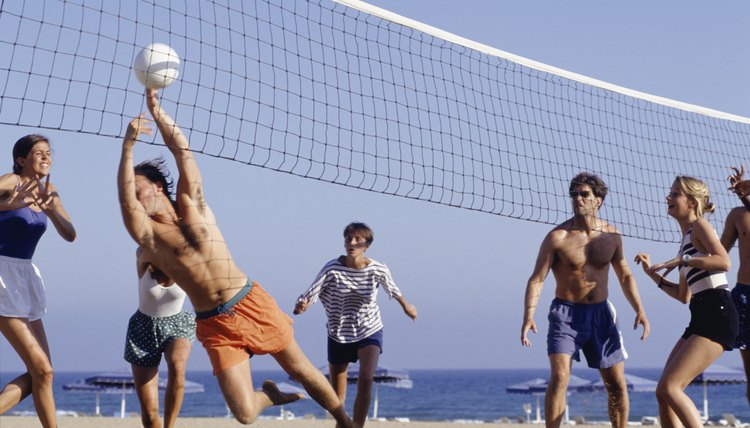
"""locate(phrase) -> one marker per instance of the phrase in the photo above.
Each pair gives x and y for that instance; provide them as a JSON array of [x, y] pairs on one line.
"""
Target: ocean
[[437, 395]]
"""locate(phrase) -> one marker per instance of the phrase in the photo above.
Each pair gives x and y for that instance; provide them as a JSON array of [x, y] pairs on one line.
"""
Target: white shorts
[[22, 292]]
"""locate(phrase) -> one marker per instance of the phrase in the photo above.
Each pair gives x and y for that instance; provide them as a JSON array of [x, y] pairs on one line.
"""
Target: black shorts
[[342, 353], [713, 316]]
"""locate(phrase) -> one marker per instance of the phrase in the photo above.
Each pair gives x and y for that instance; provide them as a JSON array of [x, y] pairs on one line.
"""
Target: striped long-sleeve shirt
[[349, 297]]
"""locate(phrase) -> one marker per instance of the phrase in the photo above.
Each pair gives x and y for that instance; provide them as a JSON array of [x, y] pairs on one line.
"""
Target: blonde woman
[[702, 263]]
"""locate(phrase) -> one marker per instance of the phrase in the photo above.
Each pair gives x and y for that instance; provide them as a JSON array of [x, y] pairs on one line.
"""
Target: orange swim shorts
[[249, 324]]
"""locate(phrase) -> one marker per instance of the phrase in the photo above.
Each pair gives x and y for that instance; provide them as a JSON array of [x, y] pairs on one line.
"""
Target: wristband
[[660, 284], [686, 258]]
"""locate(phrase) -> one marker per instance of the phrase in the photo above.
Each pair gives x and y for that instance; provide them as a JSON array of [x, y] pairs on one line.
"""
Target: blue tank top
[[20, 231]]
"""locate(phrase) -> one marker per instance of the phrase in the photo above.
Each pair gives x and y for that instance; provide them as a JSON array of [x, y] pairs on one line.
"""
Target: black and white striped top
[[349, 297], [699, 279]]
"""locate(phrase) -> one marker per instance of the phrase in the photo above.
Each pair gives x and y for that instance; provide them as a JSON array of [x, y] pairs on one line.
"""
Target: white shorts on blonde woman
[[22, 293]]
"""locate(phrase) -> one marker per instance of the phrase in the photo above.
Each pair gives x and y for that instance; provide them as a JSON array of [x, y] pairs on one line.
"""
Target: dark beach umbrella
[[634, 384], [118, 383], [393, 378], [537, 387], [717, 375]]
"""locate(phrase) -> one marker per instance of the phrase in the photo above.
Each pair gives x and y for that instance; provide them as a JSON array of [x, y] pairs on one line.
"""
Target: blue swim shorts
[[741, 299], [342, 353], [592, 328]]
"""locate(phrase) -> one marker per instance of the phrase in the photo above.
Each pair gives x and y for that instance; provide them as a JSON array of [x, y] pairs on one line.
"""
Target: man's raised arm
[[133, 215], [189, 183]]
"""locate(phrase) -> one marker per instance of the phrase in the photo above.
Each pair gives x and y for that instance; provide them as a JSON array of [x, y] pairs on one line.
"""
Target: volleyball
[[157, 66]]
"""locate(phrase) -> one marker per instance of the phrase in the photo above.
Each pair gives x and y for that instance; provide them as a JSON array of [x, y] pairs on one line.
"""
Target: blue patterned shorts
[[148, 337]]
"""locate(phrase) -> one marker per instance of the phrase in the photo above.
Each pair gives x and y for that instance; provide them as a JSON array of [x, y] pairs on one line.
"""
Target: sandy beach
[[134, 422]]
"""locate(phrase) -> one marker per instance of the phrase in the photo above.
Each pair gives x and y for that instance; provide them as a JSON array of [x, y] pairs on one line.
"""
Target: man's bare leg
[[296, 364], [556, 395], [236, 384], [617, 394]]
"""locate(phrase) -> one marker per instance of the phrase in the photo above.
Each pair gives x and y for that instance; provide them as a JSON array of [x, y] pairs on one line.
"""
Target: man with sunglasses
[[579, 253]]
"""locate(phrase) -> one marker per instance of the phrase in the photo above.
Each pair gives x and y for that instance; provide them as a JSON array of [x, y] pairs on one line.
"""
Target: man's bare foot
[[277, 397]]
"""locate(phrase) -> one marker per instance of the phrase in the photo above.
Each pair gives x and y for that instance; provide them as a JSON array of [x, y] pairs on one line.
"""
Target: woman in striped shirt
[[702, 263], [348, 288]]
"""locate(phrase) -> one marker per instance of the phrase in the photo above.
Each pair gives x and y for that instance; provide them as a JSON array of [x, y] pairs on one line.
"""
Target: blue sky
[[465, 271]]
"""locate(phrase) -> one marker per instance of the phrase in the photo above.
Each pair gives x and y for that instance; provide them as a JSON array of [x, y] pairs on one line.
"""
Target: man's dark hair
[[155, 170], [597, 184]]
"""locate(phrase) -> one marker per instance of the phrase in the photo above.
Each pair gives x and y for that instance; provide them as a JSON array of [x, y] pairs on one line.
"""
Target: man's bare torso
[[192, 251], [581, 262], [742, 225]]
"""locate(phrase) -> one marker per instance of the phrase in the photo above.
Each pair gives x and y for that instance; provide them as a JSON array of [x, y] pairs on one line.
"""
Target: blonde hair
[[696, 190]]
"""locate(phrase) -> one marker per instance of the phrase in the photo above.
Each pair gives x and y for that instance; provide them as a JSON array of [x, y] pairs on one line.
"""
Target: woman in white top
[[702, 263], [348, 289], [159, 327]]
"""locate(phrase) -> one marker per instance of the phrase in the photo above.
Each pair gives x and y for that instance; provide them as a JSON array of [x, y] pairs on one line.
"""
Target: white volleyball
[[157, 66]]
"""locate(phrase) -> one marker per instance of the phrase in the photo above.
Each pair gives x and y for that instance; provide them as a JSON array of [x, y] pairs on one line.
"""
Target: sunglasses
[[584, 194]]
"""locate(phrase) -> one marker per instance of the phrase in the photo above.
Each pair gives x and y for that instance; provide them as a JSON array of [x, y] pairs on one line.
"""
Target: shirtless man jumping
[[235, 316], [579, 252]]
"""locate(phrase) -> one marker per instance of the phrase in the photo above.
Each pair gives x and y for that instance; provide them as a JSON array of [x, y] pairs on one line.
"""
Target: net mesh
[[328, 92]]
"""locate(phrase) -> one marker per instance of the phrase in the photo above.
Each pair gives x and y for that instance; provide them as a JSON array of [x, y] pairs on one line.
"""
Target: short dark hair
[[156, 171], [363, 229], [597, 184], [22, 148]]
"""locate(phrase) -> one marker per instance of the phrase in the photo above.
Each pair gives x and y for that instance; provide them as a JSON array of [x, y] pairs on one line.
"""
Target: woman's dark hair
[[155, 170], [22, 148]]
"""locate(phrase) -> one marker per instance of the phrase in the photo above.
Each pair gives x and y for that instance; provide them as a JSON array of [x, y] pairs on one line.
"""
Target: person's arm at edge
[[729, 235], [534, 286], [630, 288]]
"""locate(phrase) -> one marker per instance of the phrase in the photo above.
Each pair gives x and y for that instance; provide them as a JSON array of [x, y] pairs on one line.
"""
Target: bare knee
[[664, 392], [150, 417], [558, 382], [364, 384], [616, 390], [176, 373], [42, 374]]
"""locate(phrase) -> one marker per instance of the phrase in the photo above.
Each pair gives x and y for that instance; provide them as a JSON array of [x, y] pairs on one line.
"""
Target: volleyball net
[[354, 95]]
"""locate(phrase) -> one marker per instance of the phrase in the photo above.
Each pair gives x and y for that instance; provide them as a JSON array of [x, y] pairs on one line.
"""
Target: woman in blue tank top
[[27, 201], [702, 263]]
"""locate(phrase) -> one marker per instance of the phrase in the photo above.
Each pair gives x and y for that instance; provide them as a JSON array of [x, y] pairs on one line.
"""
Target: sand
[[134, 422]]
